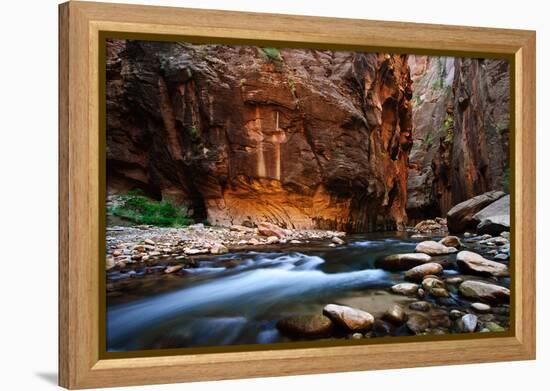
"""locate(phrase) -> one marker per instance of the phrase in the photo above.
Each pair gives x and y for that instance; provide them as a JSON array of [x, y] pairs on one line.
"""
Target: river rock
[[422, 306], [395, 314], [494, 218], [430, 226], [336, 240], [455, 314], [241, 229], [484, 291], [439, 292], [400, 262], [451, 241], [434, 248], [502, 257], [349, 318], [173, 269], [269, 229], [429, 283], [474, 263], [481, 307], [417, 323], [109, 263], [382, 328], [357, 336], [405, 288], [272, 240], [417, 273], [454, 280], [461, 216], [149, 242], [308, 326], [218, 249], [468, 323], [494, 327]]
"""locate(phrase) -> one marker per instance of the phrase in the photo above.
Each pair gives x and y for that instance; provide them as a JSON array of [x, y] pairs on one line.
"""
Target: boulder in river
[[468, 323], [461, 216], [398, 262], [349, 318], [417, 273], [434, 248], [422, 306], [494, 218], [417, 323], [395, 314], [451, 241], [405, 288], [173, 269], [484, 291], [481, 307], [306, 326], [471, 262]]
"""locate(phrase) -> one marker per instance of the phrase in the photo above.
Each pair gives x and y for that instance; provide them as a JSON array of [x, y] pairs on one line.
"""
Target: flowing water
[[238, 298]]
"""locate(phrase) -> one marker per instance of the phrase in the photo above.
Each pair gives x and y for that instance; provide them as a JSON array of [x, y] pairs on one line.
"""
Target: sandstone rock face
[[474, 263], [495, 218], [461, 216], [349, 318], [461, 131], [479, 290], [299, 138]]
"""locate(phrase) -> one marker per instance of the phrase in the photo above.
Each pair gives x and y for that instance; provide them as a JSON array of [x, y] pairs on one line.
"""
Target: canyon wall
[[298, 137], [461, 131]]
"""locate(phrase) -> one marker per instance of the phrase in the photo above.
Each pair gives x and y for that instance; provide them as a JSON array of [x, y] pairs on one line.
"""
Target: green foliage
[[448, 123], [194, 132], [417, 101], [501, 127], [273, 54], [506, 178], [428, 140], [138, 208]]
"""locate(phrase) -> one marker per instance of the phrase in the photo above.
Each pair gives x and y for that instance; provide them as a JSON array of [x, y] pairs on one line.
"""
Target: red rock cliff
[[461, 131], [303, 138]]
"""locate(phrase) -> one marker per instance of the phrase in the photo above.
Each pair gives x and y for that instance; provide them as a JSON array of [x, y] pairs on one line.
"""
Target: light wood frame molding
[[80, 364]]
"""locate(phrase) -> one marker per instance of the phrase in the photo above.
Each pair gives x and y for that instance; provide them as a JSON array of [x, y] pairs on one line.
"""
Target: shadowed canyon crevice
[[304, 138]]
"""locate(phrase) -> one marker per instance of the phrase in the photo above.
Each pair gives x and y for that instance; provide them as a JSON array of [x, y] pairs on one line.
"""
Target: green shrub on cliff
[[138, 208], [273, 54]]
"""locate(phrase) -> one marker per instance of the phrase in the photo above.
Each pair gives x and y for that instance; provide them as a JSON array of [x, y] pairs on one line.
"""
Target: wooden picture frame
[[80, 165]]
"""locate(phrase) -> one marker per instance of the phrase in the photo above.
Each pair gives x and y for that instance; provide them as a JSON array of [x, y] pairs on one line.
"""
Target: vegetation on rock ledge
[[138, 208]]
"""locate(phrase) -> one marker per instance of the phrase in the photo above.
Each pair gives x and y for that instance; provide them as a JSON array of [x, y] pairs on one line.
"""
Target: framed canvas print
[[247, 195]]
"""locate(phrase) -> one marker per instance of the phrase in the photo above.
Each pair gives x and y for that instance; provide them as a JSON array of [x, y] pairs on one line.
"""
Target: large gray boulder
[[461, 216], [494, 218]]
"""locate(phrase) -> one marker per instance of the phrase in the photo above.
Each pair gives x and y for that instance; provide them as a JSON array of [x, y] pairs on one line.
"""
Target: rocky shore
[[178, 246]]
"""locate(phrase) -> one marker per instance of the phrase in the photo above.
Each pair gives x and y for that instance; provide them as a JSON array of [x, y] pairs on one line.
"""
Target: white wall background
[[28, 207]]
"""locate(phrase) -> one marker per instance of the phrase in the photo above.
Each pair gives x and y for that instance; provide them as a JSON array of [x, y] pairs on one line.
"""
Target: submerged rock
[[484, 291], [434, 248], [422, 306], [307, 326], [400, 262], [349, 318], [474, 263]]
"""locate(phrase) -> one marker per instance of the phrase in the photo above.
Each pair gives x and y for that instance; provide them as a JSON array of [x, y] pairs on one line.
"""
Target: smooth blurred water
[[214, 304]]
